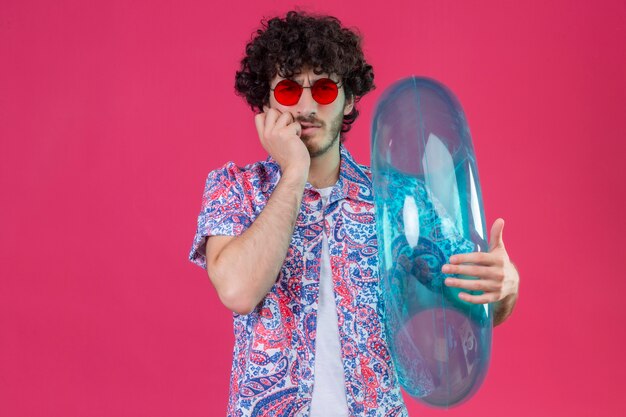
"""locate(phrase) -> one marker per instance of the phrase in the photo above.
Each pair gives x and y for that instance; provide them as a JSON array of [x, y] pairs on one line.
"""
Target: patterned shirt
[[274, 352]]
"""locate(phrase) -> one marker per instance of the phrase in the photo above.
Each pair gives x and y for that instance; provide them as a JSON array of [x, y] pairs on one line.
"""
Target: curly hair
[[284, 46]]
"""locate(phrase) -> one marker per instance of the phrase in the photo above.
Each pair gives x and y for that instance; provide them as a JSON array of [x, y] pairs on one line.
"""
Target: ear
[[348, 106]]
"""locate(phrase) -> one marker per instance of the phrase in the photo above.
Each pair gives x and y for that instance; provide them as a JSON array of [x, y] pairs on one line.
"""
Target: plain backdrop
[[112, 114]]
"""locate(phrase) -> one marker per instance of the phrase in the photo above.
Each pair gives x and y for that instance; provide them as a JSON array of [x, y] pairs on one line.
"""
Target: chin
[[318, 148]]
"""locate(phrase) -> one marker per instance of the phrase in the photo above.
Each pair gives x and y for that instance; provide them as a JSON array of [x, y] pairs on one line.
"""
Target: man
[[287, 242]]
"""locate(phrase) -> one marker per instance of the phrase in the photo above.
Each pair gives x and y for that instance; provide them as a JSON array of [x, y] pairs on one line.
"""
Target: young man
[[290, 244]]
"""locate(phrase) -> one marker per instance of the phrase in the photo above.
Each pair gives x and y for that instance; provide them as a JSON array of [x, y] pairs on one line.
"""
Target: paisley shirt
[[274, 352]]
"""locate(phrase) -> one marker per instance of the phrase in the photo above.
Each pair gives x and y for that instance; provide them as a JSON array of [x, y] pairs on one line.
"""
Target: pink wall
[[111, 115]]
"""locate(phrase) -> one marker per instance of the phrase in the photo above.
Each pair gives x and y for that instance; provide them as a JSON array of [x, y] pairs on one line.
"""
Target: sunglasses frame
[[337, 83]]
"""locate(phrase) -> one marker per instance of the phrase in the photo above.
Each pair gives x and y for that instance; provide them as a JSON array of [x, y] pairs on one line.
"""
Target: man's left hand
[[498, 278]]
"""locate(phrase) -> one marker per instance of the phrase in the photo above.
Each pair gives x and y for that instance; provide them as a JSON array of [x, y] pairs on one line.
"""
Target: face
[[321, 123]]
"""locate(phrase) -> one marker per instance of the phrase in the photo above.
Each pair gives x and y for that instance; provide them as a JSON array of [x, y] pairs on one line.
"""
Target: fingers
[[495, 238], [298, 128], [259, 122], [489, 279], [272, 119], [478, 271], [283, 120], [474, 284], [478, 299], [286, 120], [479, 258], [491, 290]]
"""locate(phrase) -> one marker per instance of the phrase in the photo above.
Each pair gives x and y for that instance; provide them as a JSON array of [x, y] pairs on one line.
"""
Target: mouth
[[309, 127]]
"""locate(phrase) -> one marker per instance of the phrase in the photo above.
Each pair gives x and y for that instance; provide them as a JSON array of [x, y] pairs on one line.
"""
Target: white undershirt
[[329, 389]]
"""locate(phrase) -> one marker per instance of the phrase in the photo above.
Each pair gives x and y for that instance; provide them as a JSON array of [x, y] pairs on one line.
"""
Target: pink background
[[112, 114]]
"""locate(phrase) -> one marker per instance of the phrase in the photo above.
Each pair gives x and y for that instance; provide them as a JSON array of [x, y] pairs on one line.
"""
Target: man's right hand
[[280, 137]]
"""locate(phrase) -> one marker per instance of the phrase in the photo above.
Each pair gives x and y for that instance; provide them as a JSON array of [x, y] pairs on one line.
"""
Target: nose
[[306, 105]]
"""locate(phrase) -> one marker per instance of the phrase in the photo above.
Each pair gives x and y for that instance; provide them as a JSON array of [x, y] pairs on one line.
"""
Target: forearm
[[248, 266], [503, 309]]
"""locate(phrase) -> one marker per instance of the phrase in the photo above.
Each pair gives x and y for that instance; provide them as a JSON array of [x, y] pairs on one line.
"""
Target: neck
[[324, 169]]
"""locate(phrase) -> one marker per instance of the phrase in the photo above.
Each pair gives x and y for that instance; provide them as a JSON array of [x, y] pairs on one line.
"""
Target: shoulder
[[251, 178]]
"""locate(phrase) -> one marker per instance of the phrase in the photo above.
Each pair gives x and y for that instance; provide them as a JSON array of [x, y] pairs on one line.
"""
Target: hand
[[280, 137], [497, 276]]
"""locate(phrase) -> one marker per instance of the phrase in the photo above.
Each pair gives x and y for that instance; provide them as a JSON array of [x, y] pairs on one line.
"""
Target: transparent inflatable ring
[[428, 208]]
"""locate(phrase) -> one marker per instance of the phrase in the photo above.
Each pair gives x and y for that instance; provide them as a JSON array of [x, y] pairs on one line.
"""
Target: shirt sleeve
[[224, 210]]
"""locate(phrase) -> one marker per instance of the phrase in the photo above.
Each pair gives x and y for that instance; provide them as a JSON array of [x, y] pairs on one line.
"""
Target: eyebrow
[[300, 79]]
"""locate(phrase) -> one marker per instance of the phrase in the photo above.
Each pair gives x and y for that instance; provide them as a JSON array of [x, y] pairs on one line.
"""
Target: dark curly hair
[[284, 46]]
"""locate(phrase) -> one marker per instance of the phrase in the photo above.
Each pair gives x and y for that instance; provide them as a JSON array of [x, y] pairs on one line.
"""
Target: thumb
[[495, 239]]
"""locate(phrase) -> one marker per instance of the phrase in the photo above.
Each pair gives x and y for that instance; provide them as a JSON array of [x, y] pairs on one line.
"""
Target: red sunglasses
[[288, 92]]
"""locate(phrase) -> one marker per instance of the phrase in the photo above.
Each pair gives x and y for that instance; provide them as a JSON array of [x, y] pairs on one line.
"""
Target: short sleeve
[[223, 212]]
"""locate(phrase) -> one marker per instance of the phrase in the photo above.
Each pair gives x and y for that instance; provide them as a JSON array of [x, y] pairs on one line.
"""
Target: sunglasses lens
[[287, 92], [324, 91]]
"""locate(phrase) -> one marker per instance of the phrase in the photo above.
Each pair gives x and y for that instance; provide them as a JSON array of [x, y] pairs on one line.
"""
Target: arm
[[243, 269], [503, 309]]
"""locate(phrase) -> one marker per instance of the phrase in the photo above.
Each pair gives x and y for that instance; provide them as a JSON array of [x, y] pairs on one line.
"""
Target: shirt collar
[[354, 181]]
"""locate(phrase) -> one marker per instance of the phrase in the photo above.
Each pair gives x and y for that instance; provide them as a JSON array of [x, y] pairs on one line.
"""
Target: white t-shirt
[[329, 388]]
